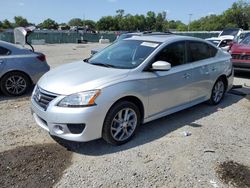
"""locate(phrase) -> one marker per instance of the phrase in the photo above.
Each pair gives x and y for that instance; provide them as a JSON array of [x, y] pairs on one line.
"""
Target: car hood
[[240, 48], [79, 76]]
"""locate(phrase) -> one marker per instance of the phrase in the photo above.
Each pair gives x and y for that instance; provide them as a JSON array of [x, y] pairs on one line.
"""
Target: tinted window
[[199, 51], [4, 51], [173, 53]]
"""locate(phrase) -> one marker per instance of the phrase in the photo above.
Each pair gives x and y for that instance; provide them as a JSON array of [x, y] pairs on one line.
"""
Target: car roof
[[162, 38]]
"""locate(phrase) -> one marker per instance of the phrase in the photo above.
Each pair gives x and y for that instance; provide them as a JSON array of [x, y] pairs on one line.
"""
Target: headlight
[[81, 99]]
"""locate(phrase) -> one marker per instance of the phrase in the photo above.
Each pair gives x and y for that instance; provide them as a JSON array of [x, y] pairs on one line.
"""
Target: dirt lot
[[216, 154]]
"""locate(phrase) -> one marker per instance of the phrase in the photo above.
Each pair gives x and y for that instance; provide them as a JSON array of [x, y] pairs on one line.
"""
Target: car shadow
[[242, 74], [152, 131], [26, 96]]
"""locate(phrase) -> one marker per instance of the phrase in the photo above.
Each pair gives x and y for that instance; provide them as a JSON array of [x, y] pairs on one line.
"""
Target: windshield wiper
[[104, 65]]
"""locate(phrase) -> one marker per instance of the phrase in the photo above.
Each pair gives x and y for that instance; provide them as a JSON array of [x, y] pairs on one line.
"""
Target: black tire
[[22, 80], [111, 121], [216, 100]]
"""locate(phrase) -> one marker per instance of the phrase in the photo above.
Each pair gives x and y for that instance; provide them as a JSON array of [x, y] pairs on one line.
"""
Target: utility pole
[[190, 16]]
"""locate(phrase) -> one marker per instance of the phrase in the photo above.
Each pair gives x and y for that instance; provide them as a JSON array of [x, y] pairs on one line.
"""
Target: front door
[[170, 89]]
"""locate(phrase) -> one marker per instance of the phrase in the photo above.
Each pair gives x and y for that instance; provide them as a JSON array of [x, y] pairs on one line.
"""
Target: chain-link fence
[[73, 37]]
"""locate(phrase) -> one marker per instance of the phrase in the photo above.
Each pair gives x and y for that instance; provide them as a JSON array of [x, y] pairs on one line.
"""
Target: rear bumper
[[36, 75]]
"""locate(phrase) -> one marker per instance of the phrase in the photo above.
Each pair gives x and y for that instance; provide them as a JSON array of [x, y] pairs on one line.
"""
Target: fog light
[[58, 129]]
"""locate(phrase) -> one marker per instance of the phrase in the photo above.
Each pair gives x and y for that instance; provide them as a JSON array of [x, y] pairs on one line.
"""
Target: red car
[[241, 55]]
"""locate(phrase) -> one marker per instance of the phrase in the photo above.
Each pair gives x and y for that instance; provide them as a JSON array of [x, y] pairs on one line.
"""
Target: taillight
[[41, 57]]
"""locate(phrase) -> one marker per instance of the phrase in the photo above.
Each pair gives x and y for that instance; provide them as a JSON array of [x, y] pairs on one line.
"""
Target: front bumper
[[56, 120], [241, 65]]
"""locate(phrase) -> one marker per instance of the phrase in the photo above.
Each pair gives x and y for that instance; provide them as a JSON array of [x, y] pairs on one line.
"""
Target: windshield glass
[[246, 41], [125, 54], [232, 32]]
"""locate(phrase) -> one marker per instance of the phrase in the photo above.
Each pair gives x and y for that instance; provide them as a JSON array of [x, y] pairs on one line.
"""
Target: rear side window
[[199, 51], [174, 53], [4, 51]]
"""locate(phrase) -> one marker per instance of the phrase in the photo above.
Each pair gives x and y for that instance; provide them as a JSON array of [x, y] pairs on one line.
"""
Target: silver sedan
[[19, 68], [131, 82]]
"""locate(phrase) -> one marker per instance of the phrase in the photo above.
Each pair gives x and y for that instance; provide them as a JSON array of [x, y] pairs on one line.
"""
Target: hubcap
[[123, 124], [15, 85], [218, 91]]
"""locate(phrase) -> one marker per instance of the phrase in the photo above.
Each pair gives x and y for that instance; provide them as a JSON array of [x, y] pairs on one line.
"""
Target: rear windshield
[[232, 32]]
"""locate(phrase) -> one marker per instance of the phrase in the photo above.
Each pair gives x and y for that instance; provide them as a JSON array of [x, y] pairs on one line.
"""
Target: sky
[[63, 10]]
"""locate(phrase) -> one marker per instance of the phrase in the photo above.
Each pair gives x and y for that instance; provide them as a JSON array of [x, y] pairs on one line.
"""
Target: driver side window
[[174, 53]]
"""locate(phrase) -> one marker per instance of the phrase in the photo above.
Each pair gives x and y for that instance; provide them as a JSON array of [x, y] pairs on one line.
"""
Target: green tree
[[108, 23], [239, 14], [159, 24], [48, 24], [90, 23], [7, 24], [150, 20], [20, 21], [75, 22]]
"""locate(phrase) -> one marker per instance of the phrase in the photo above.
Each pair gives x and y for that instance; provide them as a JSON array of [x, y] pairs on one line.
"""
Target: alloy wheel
[[218, 91], [15, 84], [123, 124]]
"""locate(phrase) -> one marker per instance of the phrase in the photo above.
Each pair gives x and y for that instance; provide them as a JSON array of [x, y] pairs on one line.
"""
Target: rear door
[[4, 52], [201, 56]]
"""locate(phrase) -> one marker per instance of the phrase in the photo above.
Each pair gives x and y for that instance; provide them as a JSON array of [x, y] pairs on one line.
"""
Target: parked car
[[241, 55], [226, 38], [19, 68], [224, 43], [128, 35], [133, 81]]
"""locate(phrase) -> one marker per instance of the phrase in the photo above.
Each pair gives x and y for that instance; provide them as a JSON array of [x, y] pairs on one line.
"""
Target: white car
[[226, 38]]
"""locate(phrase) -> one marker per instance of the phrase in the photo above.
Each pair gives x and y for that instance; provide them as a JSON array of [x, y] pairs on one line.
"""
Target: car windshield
[[232, 32], [125, 54], [246, 41]]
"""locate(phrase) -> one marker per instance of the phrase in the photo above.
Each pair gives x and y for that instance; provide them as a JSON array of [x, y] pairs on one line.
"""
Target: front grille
[[241, 56], [43, 98]]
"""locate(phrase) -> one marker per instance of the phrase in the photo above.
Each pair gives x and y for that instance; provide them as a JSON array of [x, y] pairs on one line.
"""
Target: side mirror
[[161, 66]]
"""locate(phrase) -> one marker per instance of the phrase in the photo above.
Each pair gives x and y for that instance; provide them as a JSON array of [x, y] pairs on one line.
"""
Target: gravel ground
[[159, 155]]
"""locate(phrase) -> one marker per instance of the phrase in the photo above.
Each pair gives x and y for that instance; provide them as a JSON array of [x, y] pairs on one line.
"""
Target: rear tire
[[218, 92], [15, 84], [121, 123]]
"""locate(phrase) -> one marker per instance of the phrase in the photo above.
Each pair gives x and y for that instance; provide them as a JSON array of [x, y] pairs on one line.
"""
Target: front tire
[[121, 123], [15, 84], [218, 92]]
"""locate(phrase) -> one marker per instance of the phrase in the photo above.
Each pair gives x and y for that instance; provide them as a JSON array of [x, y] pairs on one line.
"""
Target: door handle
[[186, 75]]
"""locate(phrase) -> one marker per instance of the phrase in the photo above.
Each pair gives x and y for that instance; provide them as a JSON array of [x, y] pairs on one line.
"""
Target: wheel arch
[[224, 79], [135, 100]]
